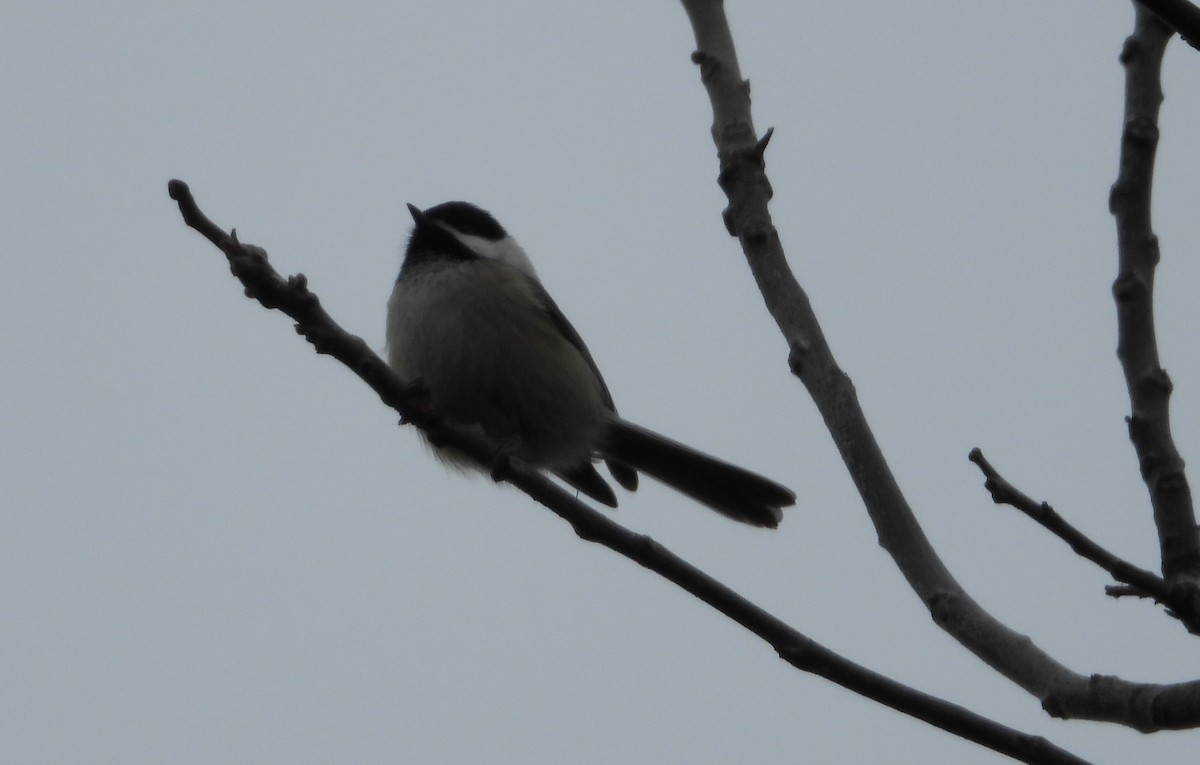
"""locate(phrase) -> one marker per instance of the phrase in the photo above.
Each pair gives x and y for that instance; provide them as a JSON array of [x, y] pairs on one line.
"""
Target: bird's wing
[[568, 331], [624, 474]]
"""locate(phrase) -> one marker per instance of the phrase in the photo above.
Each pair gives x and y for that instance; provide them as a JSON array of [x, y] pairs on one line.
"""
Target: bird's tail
[[730, 490]]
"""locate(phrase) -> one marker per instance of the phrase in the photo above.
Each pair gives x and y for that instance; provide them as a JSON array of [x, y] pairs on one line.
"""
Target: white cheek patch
[[505, 250]]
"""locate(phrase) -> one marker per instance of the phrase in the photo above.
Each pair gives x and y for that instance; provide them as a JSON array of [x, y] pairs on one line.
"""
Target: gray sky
[[216, 546]]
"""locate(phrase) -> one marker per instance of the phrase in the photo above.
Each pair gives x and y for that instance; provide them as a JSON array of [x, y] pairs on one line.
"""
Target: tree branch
[[1180, 15], [1063, 693], [1141, 582], [261, 281], [1149, 386]]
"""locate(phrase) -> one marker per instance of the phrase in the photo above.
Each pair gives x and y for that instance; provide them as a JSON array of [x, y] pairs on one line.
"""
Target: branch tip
[[1135, 579], [178, 190]]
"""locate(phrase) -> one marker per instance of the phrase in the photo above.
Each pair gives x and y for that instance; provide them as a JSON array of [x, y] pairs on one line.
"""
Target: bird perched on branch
[[470, 321]]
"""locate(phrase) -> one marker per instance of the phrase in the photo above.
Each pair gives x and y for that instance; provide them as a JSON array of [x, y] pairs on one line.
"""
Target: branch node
[[1141, 131], [1127, 286], [1172, 481], [944, 608], [797, 354], [1130, 50], [709, 65], [322, 341], [727, 219], [1159, 381], [798, 654], [756, 235], [299, 283], [728, 176]]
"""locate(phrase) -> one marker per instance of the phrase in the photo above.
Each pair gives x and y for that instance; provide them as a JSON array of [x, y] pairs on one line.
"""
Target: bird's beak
[[418, 216]]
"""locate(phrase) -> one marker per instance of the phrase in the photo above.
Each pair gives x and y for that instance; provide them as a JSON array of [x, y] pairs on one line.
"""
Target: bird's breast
[[477, 336]]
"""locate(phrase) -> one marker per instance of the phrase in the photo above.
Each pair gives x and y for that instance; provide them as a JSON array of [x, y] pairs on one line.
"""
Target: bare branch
[[292, 296], [1149, 386], [261, 281], [1180, 15], [1140, 582], [1063, 692], [1124, 591]]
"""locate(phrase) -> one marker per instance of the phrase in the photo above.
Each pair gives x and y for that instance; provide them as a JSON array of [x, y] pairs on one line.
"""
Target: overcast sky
[[218, 547]]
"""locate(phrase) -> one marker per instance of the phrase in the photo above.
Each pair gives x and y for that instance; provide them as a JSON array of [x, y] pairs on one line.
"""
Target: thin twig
[[1140, 582]]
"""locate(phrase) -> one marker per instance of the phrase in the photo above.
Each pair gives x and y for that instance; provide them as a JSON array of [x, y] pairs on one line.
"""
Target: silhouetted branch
[[1140, 582], [261, 282], [1149, 386], [1180, 15], [743, 177]]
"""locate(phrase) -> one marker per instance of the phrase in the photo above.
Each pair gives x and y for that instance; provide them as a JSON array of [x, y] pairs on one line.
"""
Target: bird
[[471, 325]]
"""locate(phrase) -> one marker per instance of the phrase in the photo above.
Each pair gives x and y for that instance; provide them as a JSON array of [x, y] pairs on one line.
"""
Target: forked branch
[[1140, 581], [1063, 693]]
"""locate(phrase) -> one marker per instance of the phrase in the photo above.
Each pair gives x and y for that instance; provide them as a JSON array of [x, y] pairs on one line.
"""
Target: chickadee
[[470, 320]]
